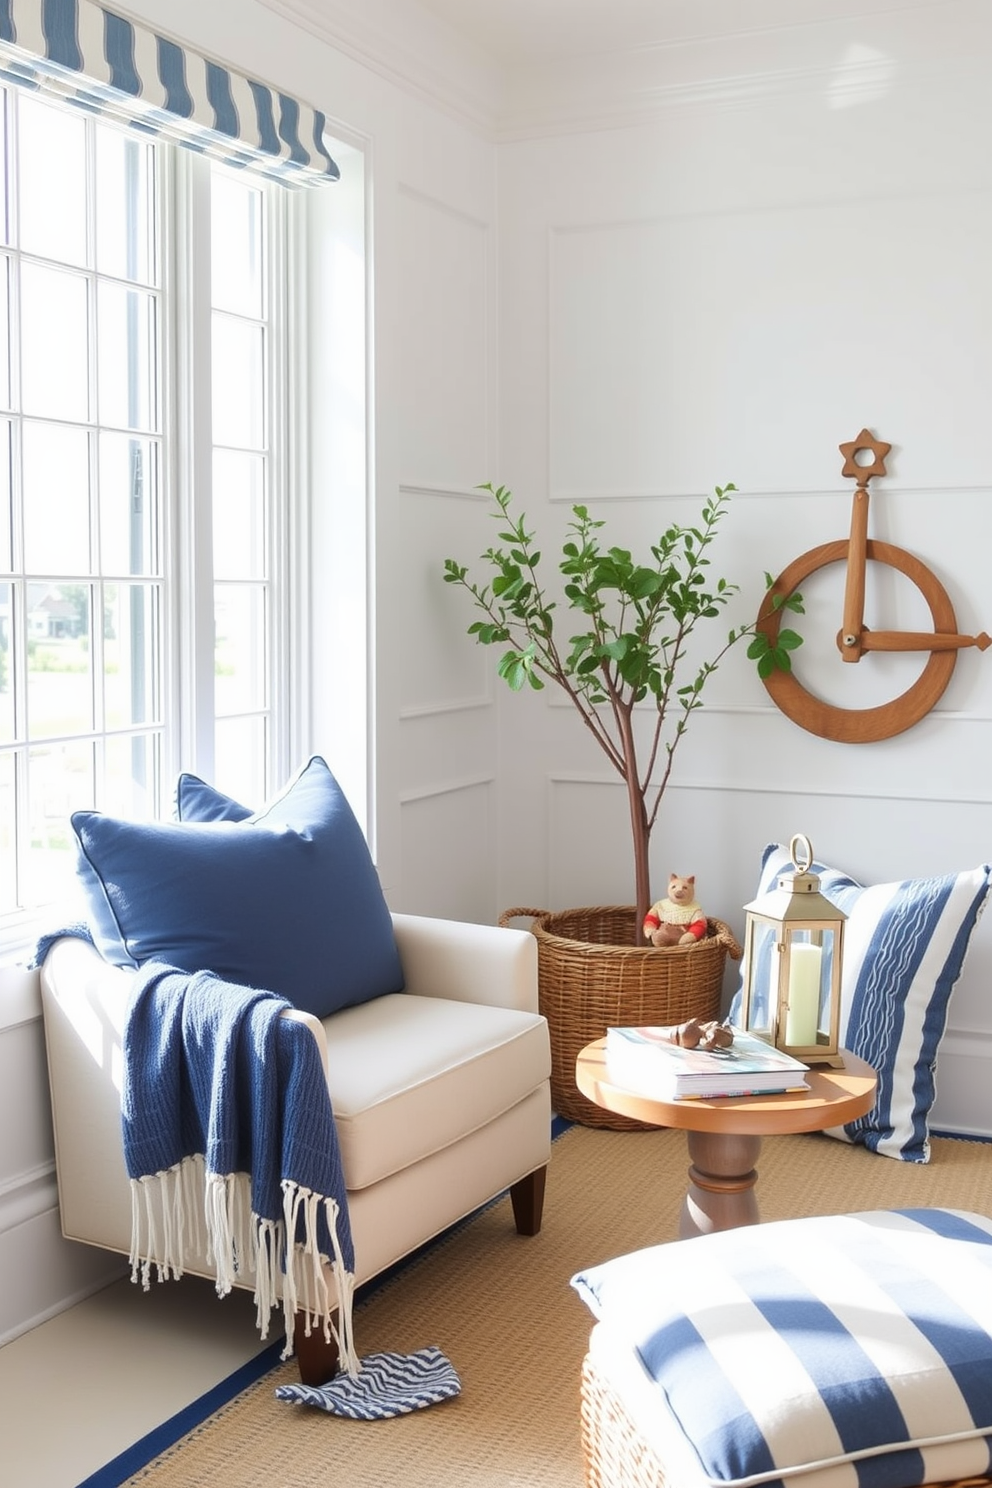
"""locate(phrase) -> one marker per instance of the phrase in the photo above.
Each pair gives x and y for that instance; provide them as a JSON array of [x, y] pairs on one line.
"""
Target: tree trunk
[[641, 835]]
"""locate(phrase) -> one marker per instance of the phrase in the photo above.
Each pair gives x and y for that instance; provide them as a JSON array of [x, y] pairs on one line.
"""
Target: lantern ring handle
[[801, 853]]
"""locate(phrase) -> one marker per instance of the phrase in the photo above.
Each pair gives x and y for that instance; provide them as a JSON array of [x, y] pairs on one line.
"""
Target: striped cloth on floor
[[387, 1385], [852, 1351]]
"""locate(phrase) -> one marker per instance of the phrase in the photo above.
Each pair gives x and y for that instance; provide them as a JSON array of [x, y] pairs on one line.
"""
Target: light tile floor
[[85, 1386]]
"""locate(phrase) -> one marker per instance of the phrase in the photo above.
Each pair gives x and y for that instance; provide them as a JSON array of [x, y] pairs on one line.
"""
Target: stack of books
[[645, 1061]]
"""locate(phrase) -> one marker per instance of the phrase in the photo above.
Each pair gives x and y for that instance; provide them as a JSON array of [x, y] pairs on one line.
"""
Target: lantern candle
[[804, 995]]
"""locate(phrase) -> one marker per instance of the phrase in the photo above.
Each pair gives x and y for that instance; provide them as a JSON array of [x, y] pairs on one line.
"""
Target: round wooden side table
[[724, 1135]]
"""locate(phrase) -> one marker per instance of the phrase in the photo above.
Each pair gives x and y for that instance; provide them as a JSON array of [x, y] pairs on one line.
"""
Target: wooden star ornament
[[850, 451]]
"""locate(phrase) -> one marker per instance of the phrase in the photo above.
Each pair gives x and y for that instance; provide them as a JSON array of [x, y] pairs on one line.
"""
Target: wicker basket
[[592, 975]]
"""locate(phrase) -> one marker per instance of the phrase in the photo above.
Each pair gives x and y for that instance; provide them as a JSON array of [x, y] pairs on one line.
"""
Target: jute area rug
[[501, 1308]]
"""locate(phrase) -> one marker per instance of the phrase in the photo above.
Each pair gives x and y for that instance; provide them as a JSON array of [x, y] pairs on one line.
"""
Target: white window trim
[[189, 535], [340, 552]]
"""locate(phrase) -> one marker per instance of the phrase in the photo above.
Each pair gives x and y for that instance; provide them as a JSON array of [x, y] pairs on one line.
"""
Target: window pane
[[238, 402], [240, 759], [240, 348], [53, 315], [132, 775], [128, 504], [5, 333], [52, 177], [126, 350], [240, 651], [124, 206], [239, 515], [8, 835], [6, 508], [236, 244], [4, 178], [60, 687], [130, 648], [6, 663], [56, 499], [60, 781]]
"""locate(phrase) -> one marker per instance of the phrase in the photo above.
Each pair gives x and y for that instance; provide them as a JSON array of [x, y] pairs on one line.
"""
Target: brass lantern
[[793, 948]]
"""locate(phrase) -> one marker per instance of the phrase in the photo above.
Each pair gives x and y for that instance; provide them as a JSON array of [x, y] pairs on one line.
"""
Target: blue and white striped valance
[[101, 61]]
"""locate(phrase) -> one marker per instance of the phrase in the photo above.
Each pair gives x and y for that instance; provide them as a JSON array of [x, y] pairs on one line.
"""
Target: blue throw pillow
[[287, 899], [195, 800], [904, 947]]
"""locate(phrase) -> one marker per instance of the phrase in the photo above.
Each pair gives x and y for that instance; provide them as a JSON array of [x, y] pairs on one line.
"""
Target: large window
[[144, 382]]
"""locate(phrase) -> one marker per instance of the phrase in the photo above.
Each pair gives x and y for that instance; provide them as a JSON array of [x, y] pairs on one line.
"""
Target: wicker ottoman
[[850, 1350], [627, 1440]]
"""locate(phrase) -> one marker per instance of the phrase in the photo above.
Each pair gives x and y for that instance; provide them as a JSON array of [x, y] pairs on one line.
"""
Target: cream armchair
[[440, 1094]]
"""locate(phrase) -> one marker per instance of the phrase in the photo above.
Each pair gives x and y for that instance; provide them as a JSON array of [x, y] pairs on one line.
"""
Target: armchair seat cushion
[[410, 1075]]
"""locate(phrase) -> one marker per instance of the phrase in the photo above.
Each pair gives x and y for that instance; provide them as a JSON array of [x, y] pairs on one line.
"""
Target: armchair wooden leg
[[527, 1198], [318, 1361]]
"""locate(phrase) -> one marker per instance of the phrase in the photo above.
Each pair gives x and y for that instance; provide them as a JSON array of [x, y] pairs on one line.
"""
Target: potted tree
[[626, 669]]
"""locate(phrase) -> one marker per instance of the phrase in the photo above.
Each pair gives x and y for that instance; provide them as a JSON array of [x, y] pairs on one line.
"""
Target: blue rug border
[[155, 1442], [117, 1471]]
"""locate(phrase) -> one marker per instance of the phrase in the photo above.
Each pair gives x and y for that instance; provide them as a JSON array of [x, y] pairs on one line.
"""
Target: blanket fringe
[[186, 1211]]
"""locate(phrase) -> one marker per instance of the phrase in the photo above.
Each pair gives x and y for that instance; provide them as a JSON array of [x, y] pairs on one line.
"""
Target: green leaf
[[617, 650]]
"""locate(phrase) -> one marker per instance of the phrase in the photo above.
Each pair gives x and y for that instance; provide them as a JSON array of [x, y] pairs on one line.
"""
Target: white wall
[[789, 246]]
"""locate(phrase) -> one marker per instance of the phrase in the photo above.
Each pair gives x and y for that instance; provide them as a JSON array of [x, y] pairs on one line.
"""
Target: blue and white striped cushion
[[904, 947], [853, 1351], [386, 1385]]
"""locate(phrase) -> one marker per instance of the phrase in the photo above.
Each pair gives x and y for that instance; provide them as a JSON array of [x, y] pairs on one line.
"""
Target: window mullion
[[287, 658], [189, 458]]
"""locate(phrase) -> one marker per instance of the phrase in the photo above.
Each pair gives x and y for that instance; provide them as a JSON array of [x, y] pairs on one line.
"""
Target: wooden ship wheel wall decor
[[855, 639]]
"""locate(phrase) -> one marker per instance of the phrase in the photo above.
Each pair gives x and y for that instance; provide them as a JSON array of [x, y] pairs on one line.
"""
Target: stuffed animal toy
[[677, 919]]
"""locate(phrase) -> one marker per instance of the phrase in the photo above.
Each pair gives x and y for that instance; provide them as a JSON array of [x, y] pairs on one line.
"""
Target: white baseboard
[[41, 1273]]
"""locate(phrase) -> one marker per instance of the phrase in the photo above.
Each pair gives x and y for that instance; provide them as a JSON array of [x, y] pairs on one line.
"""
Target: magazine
[[644, 1060]]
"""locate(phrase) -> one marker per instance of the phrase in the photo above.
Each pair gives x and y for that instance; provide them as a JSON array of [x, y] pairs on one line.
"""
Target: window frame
[[190, 534], [187, 720]]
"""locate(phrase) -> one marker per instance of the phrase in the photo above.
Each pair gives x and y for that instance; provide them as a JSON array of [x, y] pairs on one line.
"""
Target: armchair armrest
[[85, 1002], [95, 995], [468, 963]]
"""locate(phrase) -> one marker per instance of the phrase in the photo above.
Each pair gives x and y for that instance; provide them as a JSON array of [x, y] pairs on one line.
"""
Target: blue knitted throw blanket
[[225, 1096]]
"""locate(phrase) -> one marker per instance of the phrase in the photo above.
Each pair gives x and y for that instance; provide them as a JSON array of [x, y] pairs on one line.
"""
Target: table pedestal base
[[722, 1176]]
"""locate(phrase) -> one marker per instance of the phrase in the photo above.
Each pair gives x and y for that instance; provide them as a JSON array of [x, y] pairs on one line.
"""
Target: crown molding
[[504, 101], [409, 49]]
